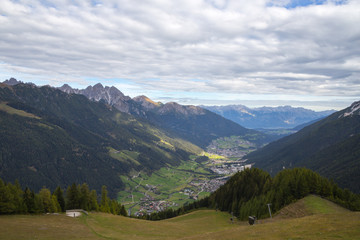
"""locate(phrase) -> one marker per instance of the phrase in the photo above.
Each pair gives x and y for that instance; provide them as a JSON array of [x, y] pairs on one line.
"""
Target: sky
[[199, 52]]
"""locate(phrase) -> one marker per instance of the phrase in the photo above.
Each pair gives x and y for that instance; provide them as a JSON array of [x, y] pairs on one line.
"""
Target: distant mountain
[[50, 138], [268, 117], [191, 123], [330, 146], [13, 82]]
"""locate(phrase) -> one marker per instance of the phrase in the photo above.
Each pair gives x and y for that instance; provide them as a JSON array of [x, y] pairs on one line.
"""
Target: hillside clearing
[[6, 108], [310, 205]]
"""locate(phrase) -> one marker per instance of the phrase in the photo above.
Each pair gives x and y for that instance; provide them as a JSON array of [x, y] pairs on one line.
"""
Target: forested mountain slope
[[330, 147], [48, 137]]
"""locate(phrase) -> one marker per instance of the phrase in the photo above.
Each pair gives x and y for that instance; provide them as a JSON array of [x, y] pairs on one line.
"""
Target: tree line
[[247, 193], [16, 200]]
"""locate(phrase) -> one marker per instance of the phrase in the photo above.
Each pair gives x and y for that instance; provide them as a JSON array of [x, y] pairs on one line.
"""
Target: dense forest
[[247, 193], [15, 200]]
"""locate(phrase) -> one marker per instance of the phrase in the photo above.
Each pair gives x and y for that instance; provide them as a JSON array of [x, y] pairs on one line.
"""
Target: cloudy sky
[[213, 52]]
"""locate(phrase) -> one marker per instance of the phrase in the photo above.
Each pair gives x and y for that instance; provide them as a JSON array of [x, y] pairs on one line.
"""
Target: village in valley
[[231, 147], [172, 187]]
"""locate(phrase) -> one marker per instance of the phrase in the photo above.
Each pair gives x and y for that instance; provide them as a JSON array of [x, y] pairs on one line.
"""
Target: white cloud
[[257, 47]]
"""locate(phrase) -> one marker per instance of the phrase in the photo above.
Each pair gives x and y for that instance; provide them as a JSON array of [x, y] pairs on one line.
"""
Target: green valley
[[174, 186]]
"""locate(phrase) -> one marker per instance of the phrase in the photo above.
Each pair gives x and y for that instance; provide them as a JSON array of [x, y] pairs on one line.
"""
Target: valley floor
[[318, 219], [171, 187]]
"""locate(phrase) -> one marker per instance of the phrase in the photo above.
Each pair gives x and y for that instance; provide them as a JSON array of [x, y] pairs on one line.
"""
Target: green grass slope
[[310, 205], [323, 220]]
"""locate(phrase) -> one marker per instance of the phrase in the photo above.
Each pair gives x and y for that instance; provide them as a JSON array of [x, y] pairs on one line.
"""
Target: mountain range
[[268, 117], [252, 118], [56, 137], [330, 146], [53, 137], [192, 123]]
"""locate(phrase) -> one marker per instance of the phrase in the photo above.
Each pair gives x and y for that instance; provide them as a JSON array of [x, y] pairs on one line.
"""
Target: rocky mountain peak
[[354, 109], [98, 86], [116, 93], [146, 102], [66, 88], [173, 107], [12, 82], [111, 95]]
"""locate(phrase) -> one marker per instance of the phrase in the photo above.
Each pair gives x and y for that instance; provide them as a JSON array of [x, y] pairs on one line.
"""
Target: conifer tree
[[7, 205], [93, 203], [114, 207], [39, 206], [85, 197], [55, 204], [72, 197], [123, 211], [46, 199], [29, 200], [104, 204], [18, 197], [59, 193]]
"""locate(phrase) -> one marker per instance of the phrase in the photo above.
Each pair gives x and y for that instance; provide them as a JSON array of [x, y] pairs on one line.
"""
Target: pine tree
[[85, 197], [123, 211], [55, 205], [104, 204], [18, 197], [29, 200], [93, 203], [72, 197], [59, 193], [39, 206], [46, 199], [114, 207], [6, 199]]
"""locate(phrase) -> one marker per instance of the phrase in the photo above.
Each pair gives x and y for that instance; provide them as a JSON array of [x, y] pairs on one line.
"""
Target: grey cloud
[[224, 44]]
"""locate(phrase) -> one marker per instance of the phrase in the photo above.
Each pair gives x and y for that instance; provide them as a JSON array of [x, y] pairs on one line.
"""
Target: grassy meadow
[[4, 107], [309, 218]]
